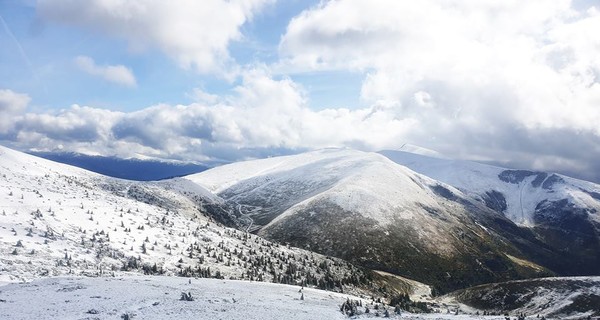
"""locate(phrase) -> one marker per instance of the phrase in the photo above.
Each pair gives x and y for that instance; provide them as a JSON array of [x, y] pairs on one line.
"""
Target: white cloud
[[266, 116], [11, 105], [194, 33], [12, 102], [201, 96], [480, 79], [118, 74], [262, 116]]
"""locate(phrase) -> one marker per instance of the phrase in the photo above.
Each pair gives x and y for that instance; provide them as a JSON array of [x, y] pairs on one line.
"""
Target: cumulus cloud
[[11, 105], [491, 80], [262, 116], [267, 116], [193, 33], [118, 74]]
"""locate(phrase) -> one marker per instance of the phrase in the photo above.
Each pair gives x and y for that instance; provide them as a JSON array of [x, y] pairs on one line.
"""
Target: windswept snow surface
[[354, 180], [157, 297]]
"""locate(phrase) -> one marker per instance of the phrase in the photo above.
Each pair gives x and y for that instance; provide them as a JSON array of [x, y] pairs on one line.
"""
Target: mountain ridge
[[319, 199]]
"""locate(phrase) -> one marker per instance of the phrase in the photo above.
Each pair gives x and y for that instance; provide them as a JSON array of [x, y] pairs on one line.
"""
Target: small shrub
[[186, 296]]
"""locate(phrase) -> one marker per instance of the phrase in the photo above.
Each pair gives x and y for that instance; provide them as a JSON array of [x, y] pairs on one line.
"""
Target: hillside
[[60, 220], [562, 212], [364, 208]]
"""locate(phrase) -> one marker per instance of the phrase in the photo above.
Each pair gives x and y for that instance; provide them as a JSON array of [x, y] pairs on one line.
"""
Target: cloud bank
[[263, 116], [509, 81]]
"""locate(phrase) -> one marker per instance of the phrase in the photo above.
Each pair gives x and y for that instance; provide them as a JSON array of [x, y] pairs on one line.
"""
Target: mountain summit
[[371, 210]]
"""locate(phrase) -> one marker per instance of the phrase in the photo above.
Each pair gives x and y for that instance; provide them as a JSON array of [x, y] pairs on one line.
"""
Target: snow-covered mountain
[[561, 211], [365, 208], [57, 220], [60, 220], [519, 194]]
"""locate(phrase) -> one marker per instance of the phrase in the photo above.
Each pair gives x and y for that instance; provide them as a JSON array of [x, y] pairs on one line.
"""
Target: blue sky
[[39, 61], [509, 82]]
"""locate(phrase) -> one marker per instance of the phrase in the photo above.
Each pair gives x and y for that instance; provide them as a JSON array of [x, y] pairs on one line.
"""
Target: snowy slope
[[159, 298], [411, 148], [366, 208], [522, 190], [57, 220], [60, 220], [352, 179], [51, 211], [271, 190]]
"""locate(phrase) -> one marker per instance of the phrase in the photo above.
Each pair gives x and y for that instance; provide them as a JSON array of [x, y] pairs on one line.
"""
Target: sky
[[515, 83]]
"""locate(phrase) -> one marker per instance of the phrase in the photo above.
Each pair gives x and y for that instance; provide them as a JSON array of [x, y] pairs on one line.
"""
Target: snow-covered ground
[[158, 297]]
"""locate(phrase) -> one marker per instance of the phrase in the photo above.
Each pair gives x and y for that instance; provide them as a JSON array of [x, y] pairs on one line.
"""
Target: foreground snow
[[154, 297]]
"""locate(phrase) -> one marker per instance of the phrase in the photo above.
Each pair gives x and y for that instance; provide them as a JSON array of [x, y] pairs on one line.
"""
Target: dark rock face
[[443, 192], [495, 200], [568, 230], [592, 194], [537, 182], [516, 176], [551, 181]]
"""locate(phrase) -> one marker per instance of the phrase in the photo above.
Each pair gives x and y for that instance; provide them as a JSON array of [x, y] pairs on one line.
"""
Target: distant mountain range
[[131, 169]]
